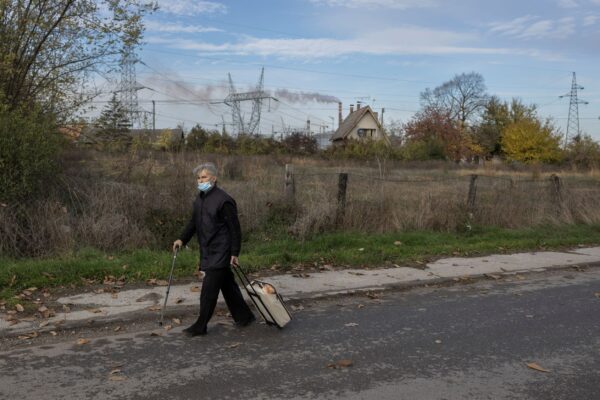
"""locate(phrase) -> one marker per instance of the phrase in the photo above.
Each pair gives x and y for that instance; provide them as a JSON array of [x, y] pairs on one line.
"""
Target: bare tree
[[49, 47], [462, 97]]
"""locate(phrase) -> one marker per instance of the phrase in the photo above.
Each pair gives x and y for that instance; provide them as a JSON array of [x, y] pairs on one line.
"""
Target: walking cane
[[162, 312]]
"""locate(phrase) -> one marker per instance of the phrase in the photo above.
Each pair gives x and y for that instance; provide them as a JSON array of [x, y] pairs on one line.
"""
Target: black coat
[[216, 225]]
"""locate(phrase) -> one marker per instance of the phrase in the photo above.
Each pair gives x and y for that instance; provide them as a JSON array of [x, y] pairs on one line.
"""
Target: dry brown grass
[[141, 199]]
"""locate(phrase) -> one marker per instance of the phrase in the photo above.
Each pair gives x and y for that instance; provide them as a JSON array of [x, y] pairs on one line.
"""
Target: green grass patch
[[260, 252]]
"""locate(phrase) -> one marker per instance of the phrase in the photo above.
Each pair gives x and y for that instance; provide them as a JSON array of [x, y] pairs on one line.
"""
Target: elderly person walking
[[215, 222]]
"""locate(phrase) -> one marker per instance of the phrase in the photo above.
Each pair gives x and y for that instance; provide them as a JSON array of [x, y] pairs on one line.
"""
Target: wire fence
[[437, 200]]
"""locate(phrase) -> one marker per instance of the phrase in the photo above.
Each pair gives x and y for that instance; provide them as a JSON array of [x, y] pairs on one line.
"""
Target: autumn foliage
[[531, 142]]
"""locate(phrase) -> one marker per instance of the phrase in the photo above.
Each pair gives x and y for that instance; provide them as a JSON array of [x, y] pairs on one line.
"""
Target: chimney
[[351, 108], [357, 105], [339, 114]]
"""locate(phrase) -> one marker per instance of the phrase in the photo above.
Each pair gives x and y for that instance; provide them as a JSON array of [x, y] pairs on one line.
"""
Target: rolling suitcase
[[268, 302]]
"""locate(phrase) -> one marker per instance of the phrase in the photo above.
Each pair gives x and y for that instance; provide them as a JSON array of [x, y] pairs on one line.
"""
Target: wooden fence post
[[472, 193], [341, 198], [289, 188], [556, 192]]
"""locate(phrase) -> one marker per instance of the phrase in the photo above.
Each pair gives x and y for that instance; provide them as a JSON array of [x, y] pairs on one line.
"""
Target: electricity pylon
[[234, 100], [129, 86], [573, 122]]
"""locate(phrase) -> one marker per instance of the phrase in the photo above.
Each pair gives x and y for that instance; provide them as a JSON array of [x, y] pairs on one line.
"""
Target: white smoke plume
[[305, 97]]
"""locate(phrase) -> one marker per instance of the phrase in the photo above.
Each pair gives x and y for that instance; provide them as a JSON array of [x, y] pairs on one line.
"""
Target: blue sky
[[384, 51]]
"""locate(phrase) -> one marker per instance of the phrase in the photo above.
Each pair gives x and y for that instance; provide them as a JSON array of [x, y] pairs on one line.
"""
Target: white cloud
[[155, 26], [191, 7], [393, 4], [397, 41], [531, 27], [590, 20], [568, 3]]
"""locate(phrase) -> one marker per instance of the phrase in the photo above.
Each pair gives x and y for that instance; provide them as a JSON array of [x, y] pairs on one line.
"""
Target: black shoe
[[247, 322], [194, 330]]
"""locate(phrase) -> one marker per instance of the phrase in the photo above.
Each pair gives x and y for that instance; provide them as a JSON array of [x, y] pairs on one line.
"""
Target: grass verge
[[282, 252]]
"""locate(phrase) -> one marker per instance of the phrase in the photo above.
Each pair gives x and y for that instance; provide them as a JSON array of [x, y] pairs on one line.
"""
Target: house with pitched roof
[[360, 125]]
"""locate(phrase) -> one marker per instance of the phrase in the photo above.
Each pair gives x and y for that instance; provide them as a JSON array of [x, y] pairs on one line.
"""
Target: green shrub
[[29, 148]]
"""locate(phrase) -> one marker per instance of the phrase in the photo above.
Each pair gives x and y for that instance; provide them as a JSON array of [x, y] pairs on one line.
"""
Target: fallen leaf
[[537, 367], [350, 324], [155, 333], [43, 309], [597, 294], [115, 371], [99, 291], [26, 293], [53, 333], [154, 308], [114, 295], [194, 289], [161, 282], [360, 306], [233, 345], [19, 308], [44, 323], [301, 275], [340, 364], [176, 321], [151, 281], [168, 327], [398, 243], [23, 337], [496, 277], [13, 322], [82, 341], [94, 310], [117, 329], [117, 378]]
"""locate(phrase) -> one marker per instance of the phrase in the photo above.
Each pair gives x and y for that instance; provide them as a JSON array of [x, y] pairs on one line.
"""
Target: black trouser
[[222, 279]]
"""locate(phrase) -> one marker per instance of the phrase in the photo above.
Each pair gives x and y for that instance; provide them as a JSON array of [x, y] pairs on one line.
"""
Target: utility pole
[[573, 122], [153, 117]]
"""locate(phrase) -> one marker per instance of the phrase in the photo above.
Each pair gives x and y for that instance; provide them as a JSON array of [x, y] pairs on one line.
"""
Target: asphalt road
[[461, 342]]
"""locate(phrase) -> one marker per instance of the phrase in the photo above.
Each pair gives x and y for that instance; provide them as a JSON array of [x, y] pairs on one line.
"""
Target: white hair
[[208, 166]]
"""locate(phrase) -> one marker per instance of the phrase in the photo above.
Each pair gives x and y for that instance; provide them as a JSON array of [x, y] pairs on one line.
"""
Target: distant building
[[360, 125]]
